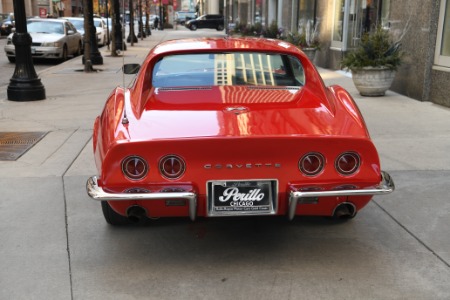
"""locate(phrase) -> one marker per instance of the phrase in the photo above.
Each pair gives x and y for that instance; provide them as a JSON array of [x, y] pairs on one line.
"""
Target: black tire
[[112, 217], [79, 50], [193, 27], [11, 59], [220, 28], [64, 53]]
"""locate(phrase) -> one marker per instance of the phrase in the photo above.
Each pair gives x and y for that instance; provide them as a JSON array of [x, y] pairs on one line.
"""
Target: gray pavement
[[54, 243]]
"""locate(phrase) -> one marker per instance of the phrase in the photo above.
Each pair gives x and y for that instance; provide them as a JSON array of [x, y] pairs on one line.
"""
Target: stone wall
[[414, 22]]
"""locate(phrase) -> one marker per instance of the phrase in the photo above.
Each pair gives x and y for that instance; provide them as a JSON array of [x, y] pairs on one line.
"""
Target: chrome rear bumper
[[386, 186], [97, 193]]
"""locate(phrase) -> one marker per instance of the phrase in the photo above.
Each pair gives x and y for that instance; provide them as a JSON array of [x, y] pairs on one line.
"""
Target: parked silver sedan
[[51, 39]]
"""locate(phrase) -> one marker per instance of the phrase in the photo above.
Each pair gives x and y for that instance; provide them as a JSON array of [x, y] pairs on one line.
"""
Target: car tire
[[64, 53], [220, 28], [193, 27], [11, 59], [79, 50], [112, 217]]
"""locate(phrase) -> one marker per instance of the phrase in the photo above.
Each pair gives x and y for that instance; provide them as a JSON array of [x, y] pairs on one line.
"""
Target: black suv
[[206, 21]]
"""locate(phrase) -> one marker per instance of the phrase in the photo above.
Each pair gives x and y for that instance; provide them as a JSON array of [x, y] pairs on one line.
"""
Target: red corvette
[[232, 127]]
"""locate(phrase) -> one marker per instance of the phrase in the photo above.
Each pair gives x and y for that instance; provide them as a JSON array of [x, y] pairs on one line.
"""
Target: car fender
[[345, 104], [108, 127]]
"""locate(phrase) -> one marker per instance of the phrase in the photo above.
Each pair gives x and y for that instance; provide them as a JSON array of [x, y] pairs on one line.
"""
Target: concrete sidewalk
[[55, 244]]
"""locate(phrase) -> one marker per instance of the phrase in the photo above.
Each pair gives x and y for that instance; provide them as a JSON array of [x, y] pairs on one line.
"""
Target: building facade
[[43, 8], [422, 26]]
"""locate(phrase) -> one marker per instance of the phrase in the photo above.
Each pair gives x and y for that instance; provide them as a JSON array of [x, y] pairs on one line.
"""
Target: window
[[338, 24], [352, 18], [442, 55], [240, 68]]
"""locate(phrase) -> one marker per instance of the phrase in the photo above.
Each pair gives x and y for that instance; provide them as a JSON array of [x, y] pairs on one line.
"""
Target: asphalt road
[[55, 244]]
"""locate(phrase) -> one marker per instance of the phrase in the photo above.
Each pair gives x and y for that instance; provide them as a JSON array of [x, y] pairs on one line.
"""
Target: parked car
[[51, 39], [78, 23], [206, 21], [182, 16], [100, 28], [6, 23], [231, 127]]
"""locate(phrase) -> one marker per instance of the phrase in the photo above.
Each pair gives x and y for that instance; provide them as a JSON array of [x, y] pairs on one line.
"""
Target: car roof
[[225, 44], [47, 20]]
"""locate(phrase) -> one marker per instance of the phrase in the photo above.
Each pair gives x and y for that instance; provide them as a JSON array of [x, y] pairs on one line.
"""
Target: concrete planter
[[310, 52], [371, 81]]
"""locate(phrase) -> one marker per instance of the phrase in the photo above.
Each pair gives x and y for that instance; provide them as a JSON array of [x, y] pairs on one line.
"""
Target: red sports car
[[232, 127]]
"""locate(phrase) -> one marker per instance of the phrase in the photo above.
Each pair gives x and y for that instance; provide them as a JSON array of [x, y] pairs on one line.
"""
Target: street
[[55, 243]]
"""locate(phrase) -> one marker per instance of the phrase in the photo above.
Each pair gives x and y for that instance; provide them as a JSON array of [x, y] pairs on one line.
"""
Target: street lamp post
[[118, 37], [131, 36], [148, 30], [95, 56], [24, 84], [161, 15]]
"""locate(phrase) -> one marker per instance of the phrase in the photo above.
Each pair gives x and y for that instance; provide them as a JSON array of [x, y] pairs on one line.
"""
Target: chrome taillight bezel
[[174, 174], [137, 160], [355, 156], [318, 170]]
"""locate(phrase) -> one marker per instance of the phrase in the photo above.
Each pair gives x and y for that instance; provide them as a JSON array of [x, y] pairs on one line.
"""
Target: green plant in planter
[[374, 62], [258, 30], [376, 49], [306, 37]]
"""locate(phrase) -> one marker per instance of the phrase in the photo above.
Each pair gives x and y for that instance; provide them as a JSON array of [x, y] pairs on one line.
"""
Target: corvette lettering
[[242, 166]]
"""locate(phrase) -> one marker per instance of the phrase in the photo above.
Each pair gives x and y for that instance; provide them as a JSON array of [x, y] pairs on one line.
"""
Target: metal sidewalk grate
[[14, 144]]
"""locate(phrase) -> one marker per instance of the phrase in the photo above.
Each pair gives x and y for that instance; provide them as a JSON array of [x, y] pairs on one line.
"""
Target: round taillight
[[348, 163], [311, 164], [134, 167], [172, 166], [136, 191]]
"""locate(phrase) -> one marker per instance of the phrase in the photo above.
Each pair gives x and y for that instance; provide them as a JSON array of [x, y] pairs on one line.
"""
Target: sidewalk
[[55, 245]]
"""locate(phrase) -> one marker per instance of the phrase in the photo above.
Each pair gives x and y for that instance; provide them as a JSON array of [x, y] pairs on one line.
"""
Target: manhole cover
[[14, 144]]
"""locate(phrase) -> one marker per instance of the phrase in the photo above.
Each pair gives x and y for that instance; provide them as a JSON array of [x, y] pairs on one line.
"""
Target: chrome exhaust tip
[[136, 214], [344, 210]]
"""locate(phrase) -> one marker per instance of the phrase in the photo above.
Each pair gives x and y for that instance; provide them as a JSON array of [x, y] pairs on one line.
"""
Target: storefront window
[[258, 12], [306, 14], [338, 26], [352, 18]]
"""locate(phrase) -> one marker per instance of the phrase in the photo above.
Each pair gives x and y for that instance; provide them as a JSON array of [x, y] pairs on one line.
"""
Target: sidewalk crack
[[413, 235]]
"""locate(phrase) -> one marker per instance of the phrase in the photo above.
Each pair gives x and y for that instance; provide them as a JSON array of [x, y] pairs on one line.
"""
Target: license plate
[[33, 50], [235, 198]]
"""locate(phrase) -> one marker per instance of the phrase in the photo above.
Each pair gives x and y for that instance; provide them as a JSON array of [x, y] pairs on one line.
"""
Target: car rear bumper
[[97, 193], [296, 197], [385, 186]]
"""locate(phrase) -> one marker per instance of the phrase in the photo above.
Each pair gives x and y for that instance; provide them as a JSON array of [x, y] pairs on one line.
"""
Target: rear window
[[245, 68]]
